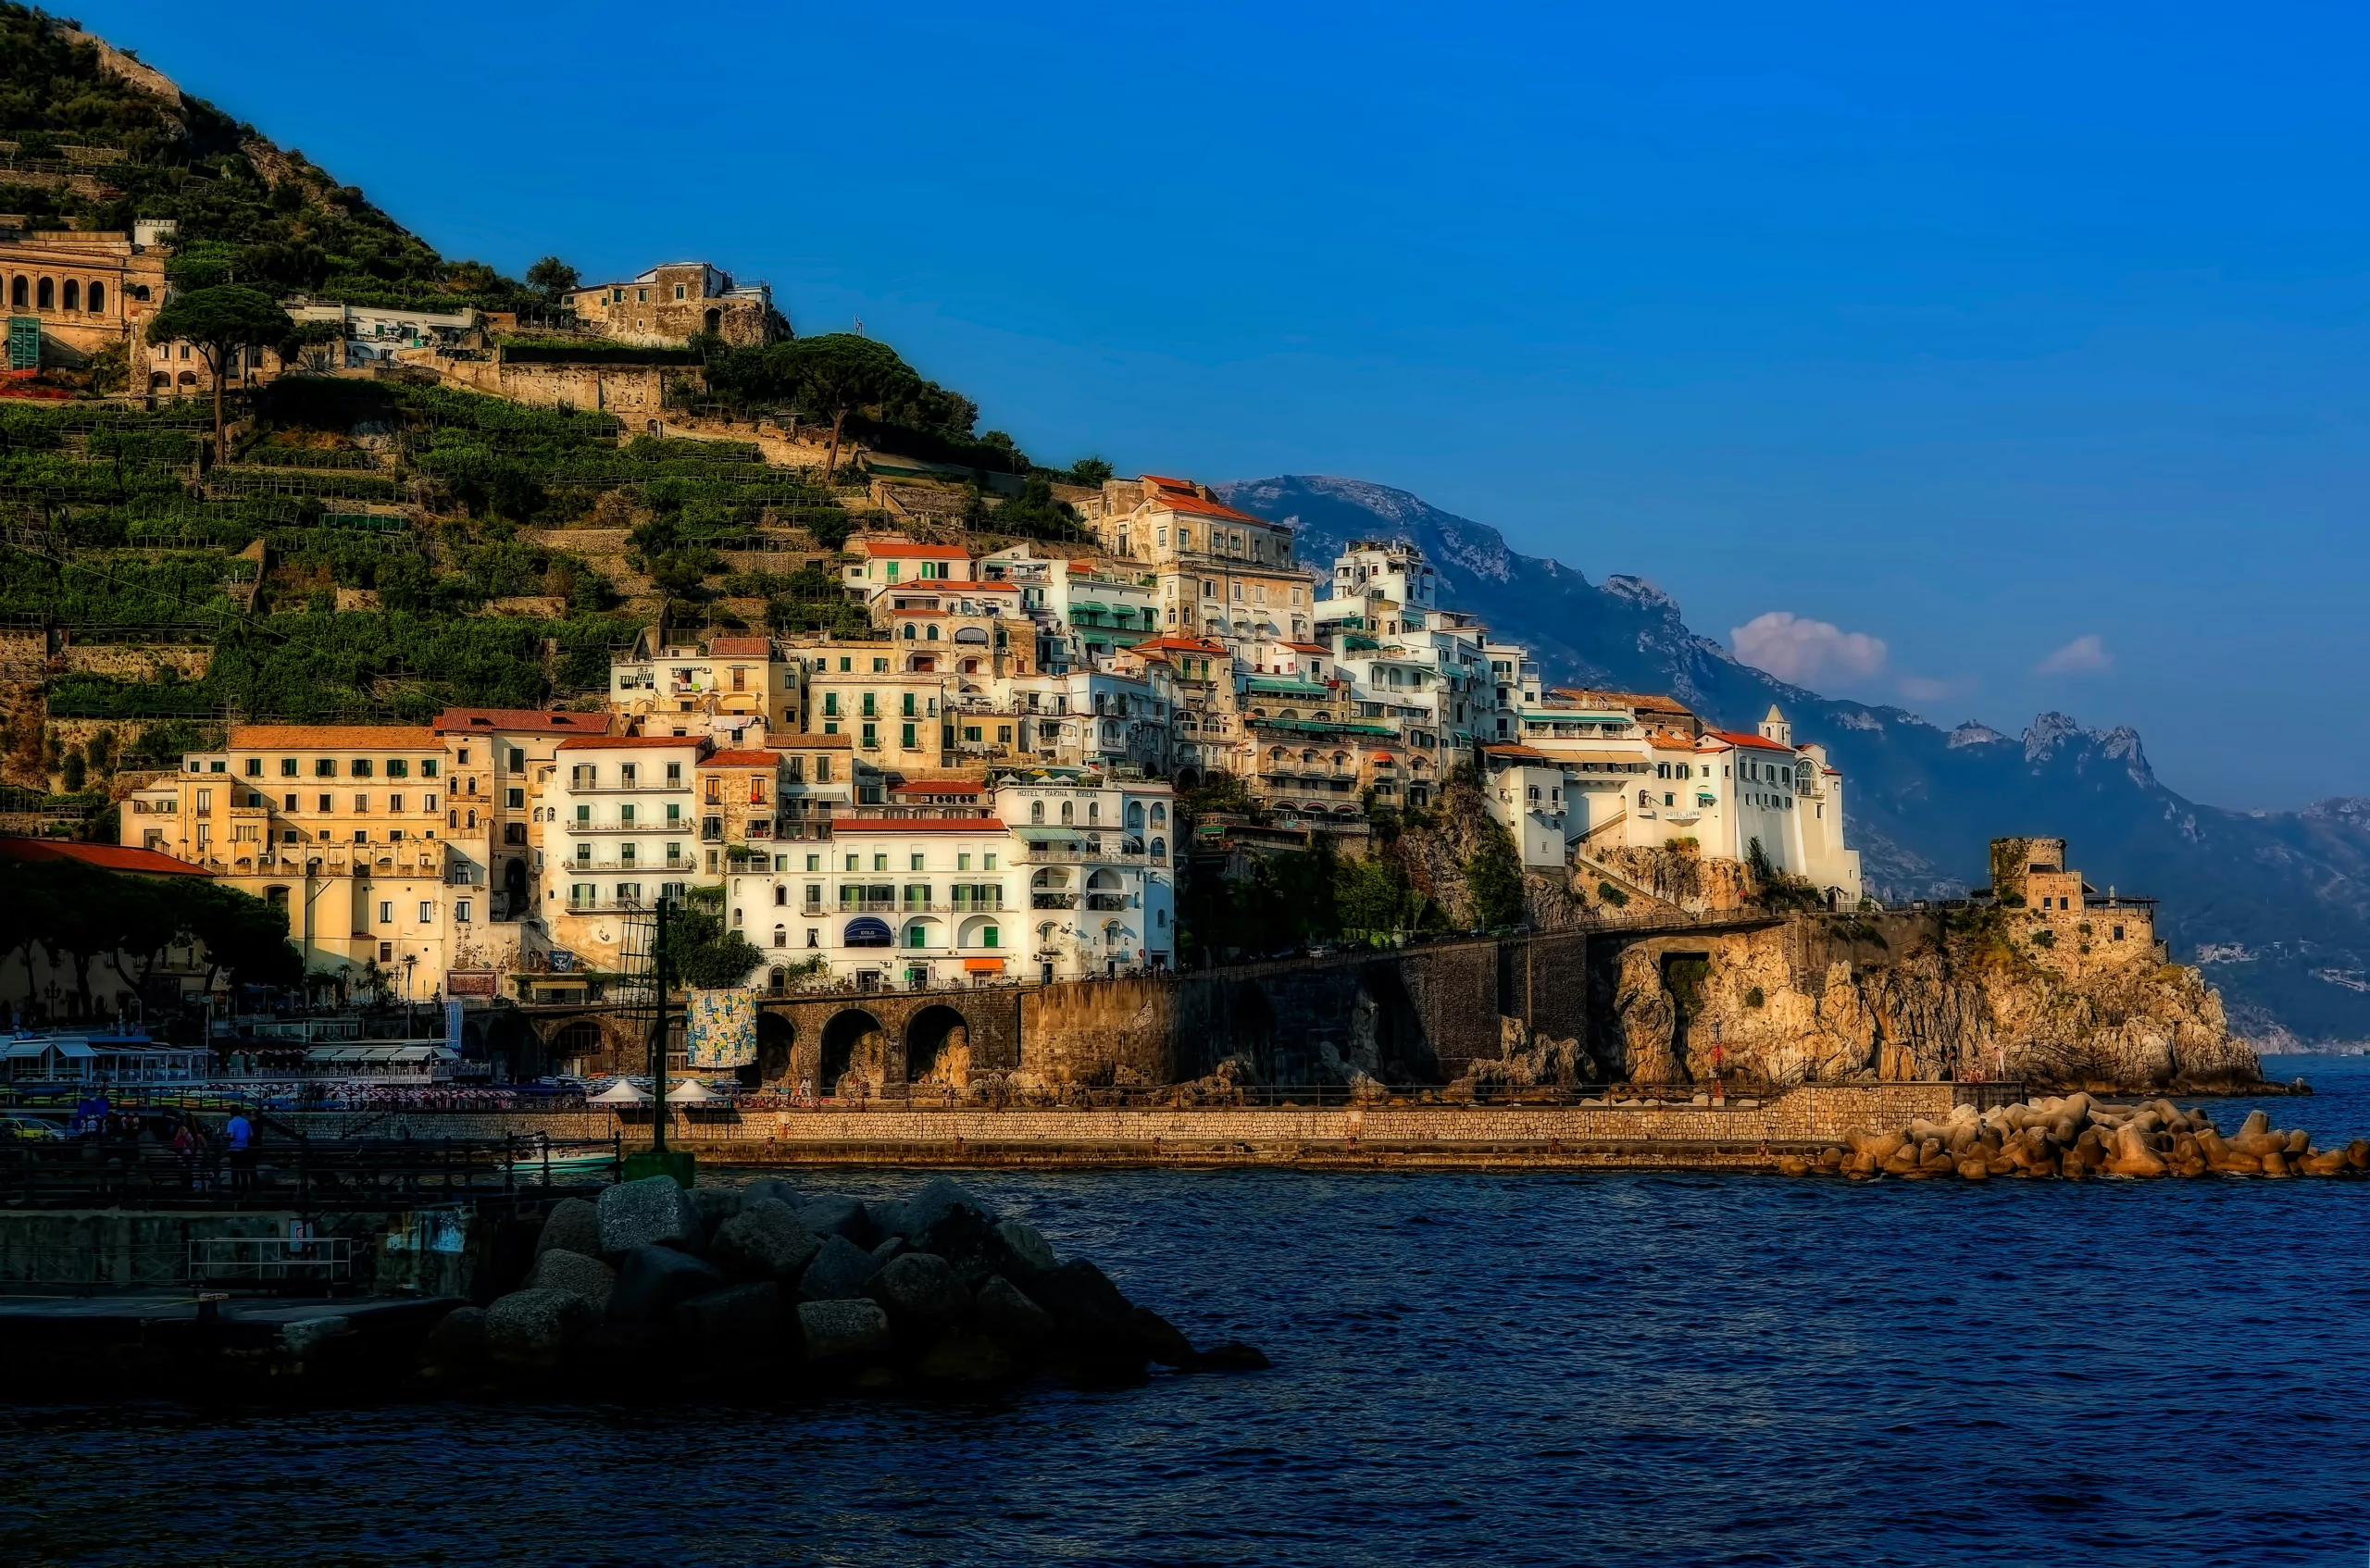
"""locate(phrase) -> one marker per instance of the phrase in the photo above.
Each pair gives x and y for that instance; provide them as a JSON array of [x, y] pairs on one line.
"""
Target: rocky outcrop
[[1832, 1000], [2077, 1137], [952, 1295]]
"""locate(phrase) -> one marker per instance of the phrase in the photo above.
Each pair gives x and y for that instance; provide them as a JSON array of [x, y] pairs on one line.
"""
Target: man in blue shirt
[[241, 1136]]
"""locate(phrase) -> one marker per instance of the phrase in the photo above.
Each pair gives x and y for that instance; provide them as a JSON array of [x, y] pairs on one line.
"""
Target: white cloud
[[1802, 650], [2086, 654], [1920, 689]]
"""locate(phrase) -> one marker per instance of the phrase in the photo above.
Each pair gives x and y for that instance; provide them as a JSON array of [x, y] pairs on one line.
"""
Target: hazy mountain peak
[[1974, 734]]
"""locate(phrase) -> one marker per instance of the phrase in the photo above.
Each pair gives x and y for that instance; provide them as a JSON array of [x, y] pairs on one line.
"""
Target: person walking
[[241, 1136]]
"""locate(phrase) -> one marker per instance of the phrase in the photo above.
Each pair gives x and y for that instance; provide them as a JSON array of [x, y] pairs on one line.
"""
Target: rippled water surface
[[1469, 1369]]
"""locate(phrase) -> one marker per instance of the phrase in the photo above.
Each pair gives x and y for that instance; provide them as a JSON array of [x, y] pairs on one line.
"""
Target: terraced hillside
[[371, 550]]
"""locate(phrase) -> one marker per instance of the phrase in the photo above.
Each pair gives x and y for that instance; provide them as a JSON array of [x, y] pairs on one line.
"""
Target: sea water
[[1469, 1369]]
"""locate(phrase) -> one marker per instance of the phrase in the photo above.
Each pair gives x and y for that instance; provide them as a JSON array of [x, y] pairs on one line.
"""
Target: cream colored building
[[620, 832], [342, 825], [717, 688], [87, 290]]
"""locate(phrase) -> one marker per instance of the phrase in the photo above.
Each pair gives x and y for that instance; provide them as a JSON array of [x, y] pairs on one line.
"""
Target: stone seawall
[[1428, 1136]]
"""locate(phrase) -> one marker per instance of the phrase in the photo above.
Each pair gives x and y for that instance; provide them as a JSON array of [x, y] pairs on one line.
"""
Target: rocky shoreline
[[761, 1290], [2074, 1136]]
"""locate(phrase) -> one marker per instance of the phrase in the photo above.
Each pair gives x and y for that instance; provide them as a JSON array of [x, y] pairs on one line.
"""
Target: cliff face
[[1906, 998]]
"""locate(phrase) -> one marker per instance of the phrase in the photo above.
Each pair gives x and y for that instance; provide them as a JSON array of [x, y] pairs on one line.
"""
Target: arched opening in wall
[[851, 1056], [938, 1048], [577, 1048], [776, 1036], [16, 293], [1386, 1031], [45, 294], [1188, 778], [713, 321], [1251, 1030], [1684, 974], [514, 891], [277, 898]]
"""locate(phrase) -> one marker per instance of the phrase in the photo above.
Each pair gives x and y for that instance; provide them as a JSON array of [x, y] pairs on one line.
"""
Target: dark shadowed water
[[1527, 1369]]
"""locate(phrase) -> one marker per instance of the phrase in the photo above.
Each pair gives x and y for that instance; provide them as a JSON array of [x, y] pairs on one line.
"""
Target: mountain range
[[2273, 905]]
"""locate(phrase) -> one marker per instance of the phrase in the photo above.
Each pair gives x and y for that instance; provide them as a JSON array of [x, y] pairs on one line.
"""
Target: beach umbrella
[[619, 1093], [690, 1091]]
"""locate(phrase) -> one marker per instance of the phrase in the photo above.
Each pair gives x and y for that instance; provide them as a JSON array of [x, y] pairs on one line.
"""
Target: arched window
[[933, 634], [1067, 813], [140, 293], [736, 914], [781, 895], [1645, 797], [1037, 811], [1135, 814], [781, 936], [73, 299], [774, 982], [1160, 849], [16, 293], [44, 294], [1095, 810], [909, 631], [1159, 815], [98, 298]]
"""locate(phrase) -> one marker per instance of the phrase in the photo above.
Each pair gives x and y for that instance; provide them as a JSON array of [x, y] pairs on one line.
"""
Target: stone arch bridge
[[1418, 1014]]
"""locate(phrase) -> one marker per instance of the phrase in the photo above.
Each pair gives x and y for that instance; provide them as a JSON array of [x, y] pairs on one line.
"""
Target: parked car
[[30, 1129]]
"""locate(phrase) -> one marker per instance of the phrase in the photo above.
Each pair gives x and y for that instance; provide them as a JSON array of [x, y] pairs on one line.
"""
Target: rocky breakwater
[[2074, 1136], [762, 1289]]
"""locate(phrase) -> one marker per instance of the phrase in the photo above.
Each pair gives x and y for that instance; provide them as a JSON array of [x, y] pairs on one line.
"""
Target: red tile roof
[[1508, 749], [623, 742], [816, 740], [1186, 501], [331, 738], [880, 548], [841, 826], [536, 721], [105, 857], [1735, 737], [1179, 645], [741, 648]]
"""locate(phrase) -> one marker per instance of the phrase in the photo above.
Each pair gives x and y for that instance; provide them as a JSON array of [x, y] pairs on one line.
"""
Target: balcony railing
[[1052, 901], [1107, 900], [676, 827]]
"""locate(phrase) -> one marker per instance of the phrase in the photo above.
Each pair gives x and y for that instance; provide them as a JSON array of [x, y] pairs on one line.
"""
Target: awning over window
[[983, 965], [865, 932], [1038, 835]]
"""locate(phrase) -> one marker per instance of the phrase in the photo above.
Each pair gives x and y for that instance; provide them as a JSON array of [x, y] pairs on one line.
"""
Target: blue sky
[[2027, 342]]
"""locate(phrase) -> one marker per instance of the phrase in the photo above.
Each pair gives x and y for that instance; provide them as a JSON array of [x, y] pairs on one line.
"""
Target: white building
[[620, 831]]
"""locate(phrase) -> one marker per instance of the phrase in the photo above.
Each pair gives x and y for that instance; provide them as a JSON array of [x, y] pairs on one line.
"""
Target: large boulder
[[921, 1293], [776, 1189], [765, 1241], [741, 1322], [1159, 1339], [573, 1225], [838, 1271], [652, 1212], [1030, 1250], [838, 1216], [716, 1205], [1091, 1315], [457, 1343], [654, 1280], [560, 1269], [937, 1199], [532, 1330], [1003, 1311], [841, 1331]]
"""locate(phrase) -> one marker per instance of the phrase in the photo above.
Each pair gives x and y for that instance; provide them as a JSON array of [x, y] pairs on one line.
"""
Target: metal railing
[[302, 1173], [270, 1259]]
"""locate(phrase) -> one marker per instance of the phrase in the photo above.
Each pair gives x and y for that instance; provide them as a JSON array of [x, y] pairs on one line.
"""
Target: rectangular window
[[394, 803], [515, 799], [386, 912], [359, 768], [254, 768], [517, 763], [962, 863], [814, 863], [624, 854], [914, 861], [987, 862], [288, 767], [324, 767], [428, 767], [361, 804], [398, 768], [880, 863], [674, 773], [822, 770], [855, 863], [906, 737]]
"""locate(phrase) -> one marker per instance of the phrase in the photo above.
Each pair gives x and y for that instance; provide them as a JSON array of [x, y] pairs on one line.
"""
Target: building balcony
[[651, 866], [676, 827], [1107, 900], [1043, 900]]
